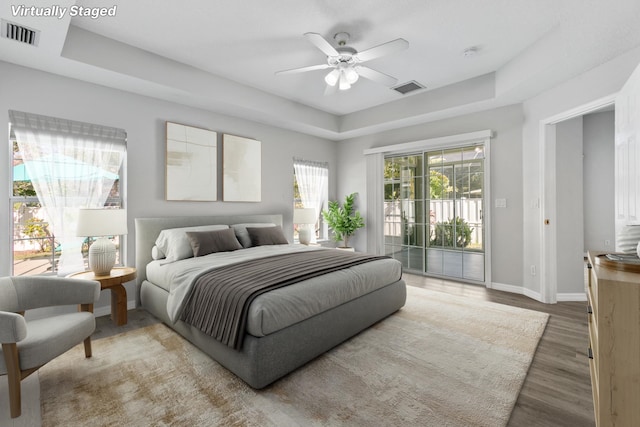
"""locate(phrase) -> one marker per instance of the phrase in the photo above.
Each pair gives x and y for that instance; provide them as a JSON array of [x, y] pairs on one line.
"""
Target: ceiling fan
[[345, 61]]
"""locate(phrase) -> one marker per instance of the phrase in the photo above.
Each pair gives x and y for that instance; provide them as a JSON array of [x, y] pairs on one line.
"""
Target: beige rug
[[440, 361]]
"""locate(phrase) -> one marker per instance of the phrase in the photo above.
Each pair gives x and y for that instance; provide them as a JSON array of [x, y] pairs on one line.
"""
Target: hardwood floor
[[557, 390]]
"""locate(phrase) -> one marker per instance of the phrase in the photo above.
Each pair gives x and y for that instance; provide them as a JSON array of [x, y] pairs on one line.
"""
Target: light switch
[[501, 203]]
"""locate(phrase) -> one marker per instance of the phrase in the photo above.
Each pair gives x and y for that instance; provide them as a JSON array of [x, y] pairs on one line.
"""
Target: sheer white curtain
[[313, 185], [72, 165], [375, 203]]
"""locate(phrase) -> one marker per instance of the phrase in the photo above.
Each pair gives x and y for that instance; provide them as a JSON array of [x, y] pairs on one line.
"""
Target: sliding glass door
[[404, 210], [433, 213]]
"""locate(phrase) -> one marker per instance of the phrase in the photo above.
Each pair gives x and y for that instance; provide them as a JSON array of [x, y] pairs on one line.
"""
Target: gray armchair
[[28, 345]]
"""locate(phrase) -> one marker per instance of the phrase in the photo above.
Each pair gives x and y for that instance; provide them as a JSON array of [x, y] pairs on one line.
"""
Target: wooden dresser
[[614, 343]]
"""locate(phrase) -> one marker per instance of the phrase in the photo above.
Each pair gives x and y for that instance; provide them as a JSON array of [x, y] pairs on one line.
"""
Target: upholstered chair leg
[[87, 347], [10, 352]]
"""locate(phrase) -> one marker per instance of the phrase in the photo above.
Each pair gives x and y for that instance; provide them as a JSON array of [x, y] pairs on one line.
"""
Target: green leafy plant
[[443, 233], [342, 219], [38, 230]]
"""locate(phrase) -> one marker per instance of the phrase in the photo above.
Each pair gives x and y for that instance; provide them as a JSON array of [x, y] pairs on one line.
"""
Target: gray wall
[[144, 119], [506, 178], [598, 178], [569, 206]]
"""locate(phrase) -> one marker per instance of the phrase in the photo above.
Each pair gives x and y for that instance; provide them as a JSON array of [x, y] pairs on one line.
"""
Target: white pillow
[[156, 253], [243, 235], [174, 243]]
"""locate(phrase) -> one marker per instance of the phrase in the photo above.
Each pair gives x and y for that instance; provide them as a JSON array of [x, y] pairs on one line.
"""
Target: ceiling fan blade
[[322, 44], [304, 69], [376, 76], [382, 50]]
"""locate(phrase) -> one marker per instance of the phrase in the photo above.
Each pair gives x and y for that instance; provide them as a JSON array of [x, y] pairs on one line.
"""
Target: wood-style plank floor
[[557, 390]]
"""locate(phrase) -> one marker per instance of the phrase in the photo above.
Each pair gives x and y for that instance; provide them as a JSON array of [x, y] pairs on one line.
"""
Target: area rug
[[440, 361]]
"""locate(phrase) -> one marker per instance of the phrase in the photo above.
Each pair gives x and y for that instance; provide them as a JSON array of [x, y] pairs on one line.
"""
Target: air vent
[[405, 88], [20, 33]]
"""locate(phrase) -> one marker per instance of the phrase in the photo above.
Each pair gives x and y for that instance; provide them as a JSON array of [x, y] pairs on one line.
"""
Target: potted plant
[[343, 220]]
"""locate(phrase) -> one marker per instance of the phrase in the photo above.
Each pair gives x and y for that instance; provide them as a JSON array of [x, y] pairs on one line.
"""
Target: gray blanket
[[219, 300]]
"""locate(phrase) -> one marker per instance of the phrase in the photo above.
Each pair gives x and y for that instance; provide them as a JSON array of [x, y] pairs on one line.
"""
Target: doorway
[[551, 269]]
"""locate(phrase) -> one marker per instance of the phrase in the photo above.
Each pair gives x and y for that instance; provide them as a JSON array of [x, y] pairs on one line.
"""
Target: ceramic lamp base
[[304, 235], [102, 256]]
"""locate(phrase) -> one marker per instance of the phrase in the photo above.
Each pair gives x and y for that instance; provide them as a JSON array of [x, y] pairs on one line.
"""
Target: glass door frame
[[375, 176], [455, 226]]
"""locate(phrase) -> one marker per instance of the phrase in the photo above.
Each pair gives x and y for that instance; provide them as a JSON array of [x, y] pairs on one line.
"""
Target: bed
[[268, 350]]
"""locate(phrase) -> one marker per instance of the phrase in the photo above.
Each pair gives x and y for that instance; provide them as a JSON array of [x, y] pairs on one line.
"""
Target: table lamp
[[102, 223], [304, 217]]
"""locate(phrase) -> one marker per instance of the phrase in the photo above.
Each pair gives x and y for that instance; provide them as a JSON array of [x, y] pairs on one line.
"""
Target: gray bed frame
[[265, 359]]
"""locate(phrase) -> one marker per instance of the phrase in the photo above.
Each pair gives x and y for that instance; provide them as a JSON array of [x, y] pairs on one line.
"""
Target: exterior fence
[[398, 212]]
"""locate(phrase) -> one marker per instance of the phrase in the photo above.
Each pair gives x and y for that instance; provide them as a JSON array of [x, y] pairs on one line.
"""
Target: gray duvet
[[284, 307], [219, 299]]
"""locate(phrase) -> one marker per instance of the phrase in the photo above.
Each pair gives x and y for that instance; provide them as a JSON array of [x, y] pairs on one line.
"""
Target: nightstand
[[114, 282]]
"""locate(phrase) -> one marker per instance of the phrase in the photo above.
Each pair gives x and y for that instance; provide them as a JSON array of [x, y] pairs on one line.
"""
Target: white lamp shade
[[101, 222], [343, 83], [351, 75], [332, 77], [304, 216]]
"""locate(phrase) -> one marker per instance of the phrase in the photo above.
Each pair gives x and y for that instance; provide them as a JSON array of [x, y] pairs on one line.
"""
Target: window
[[58, 167], [310, 188]]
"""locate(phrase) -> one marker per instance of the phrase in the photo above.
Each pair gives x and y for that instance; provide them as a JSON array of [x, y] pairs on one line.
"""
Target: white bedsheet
[[280, 308]]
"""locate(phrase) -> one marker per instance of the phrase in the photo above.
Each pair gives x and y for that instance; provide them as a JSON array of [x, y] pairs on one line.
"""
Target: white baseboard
[[561, 297], [517, 290], [106, 309], [566, 297], [507, 288]]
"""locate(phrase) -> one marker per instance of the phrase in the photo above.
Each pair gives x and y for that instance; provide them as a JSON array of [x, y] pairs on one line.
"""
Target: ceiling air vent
[[405, 88], [20, 33]]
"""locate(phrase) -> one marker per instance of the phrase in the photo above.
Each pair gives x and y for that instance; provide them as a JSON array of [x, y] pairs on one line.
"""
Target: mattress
[[283, 307]]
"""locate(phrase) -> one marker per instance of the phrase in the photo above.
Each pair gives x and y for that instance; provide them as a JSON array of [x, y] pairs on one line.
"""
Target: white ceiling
[[223, 56]]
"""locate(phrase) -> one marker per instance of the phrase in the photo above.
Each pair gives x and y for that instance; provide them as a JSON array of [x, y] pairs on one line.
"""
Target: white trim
[[450, 140], [581, 110], [532, 294], [548, 234], [562, 297], [488, 211], [516, 290], [568, 297]]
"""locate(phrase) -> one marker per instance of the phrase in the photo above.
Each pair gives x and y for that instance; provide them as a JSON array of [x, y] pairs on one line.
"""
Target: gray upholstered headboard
[[148, 229]]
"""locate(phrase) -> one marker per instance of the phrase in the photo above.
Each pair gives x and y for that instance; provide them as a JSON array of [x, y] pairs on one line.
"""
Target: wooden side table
[[114, 282]]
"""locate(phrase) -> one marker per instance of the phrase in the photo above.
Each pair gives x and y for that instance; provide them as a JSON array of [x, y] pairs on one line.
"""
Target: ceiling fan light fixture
[[351, 75], [344, 82], [332, 78]]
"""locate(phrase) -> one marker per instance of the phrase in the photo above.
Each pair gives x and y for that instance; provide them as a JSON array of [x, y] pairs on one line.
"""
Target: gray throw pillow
[[267, 236], [208, 242]]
